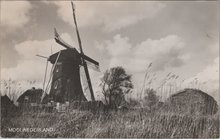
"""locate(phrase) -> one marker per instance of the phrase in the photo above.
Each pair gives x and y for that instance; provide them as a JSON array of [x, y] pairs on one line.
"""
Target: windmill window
[[26, 99], [57, 69], [57, 84]]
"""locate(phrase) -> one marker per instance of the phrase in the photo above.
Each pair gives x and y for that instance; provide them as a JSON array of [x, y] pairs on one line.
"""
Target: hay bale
[[191, 101]]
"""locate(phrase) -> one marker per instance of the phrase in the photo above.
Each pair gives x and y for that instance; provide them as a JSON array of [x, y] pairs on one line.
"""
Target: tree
[[151, 99], [115, 84]]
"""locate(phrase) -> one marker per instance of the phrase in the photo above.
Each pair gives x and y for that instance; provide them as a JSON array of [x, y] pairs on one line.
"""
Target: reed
[[132, 124]]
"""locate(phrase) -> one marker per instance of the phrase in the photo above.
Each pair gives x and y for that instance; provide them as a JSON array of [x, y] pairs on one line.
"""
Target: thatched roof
[[191, 101], [33, 95]]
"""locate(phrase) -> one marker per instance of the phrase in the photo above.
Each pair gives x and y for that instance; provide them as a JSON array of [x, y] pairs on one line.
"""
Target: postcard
[[109, 69]]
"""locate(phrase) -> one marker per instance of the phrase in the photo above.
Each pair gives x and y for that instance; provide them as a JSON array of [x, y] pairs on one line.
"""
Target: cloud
[[32, 68], [211, 72], [29, 66], [207, 79], [110, 15], [163, 53], [14, 14], [208, 76]]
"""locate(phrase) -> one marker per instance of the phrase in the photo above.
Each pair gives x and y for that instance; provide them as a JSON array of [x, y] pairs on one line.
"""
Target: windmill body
[[66, 84]]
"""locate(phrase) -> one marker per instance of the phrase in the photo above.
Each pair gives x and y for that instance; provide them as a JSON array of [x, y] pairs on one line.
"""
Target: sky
[[178, 37]]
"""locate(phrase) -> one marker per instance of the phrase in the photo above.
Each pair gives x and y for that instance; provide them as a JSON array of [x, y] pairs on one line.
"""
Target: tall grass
[[134, 123]]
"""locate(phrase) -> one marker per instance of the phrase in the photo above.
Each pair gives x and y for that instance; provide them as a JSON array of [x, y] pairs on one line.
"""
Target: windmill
[[65, 77]]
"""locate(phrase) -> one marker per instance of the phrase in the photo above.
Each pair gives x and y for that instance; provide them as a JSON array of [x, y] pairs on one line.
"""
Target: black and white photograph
[[109, 69]]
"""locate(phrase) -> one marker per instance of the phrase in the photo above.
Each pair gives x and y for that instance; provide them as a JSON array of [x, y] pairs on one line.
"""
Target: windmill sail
[[84, 83], [96, 83], [81, 51], [59, 40], [91, 63], [71, 80], [92, 66]]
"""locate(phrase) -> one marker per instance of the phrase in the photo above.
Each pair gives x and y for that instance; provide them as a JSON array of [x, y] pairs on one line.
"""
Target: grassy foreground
[[135, 123]]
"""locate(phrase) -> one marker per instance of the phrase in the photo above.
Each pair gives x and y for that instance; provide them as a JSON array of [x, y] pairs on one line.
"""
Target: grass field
[[130, 124]]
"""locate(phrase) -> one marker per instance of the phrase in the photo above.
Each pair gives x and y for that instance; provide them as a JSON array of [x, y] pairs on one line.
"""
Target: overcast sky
[[177, 37]]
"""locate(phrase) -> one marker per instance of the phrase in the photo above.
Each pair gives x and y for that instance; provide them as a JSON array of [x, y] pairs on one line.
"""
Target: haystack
[[191, 101]]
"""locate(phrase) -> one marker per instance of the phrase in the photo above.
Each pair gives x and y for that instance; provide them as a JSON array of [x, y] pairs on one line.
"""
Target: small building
[[191, 101], [31, 96]]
